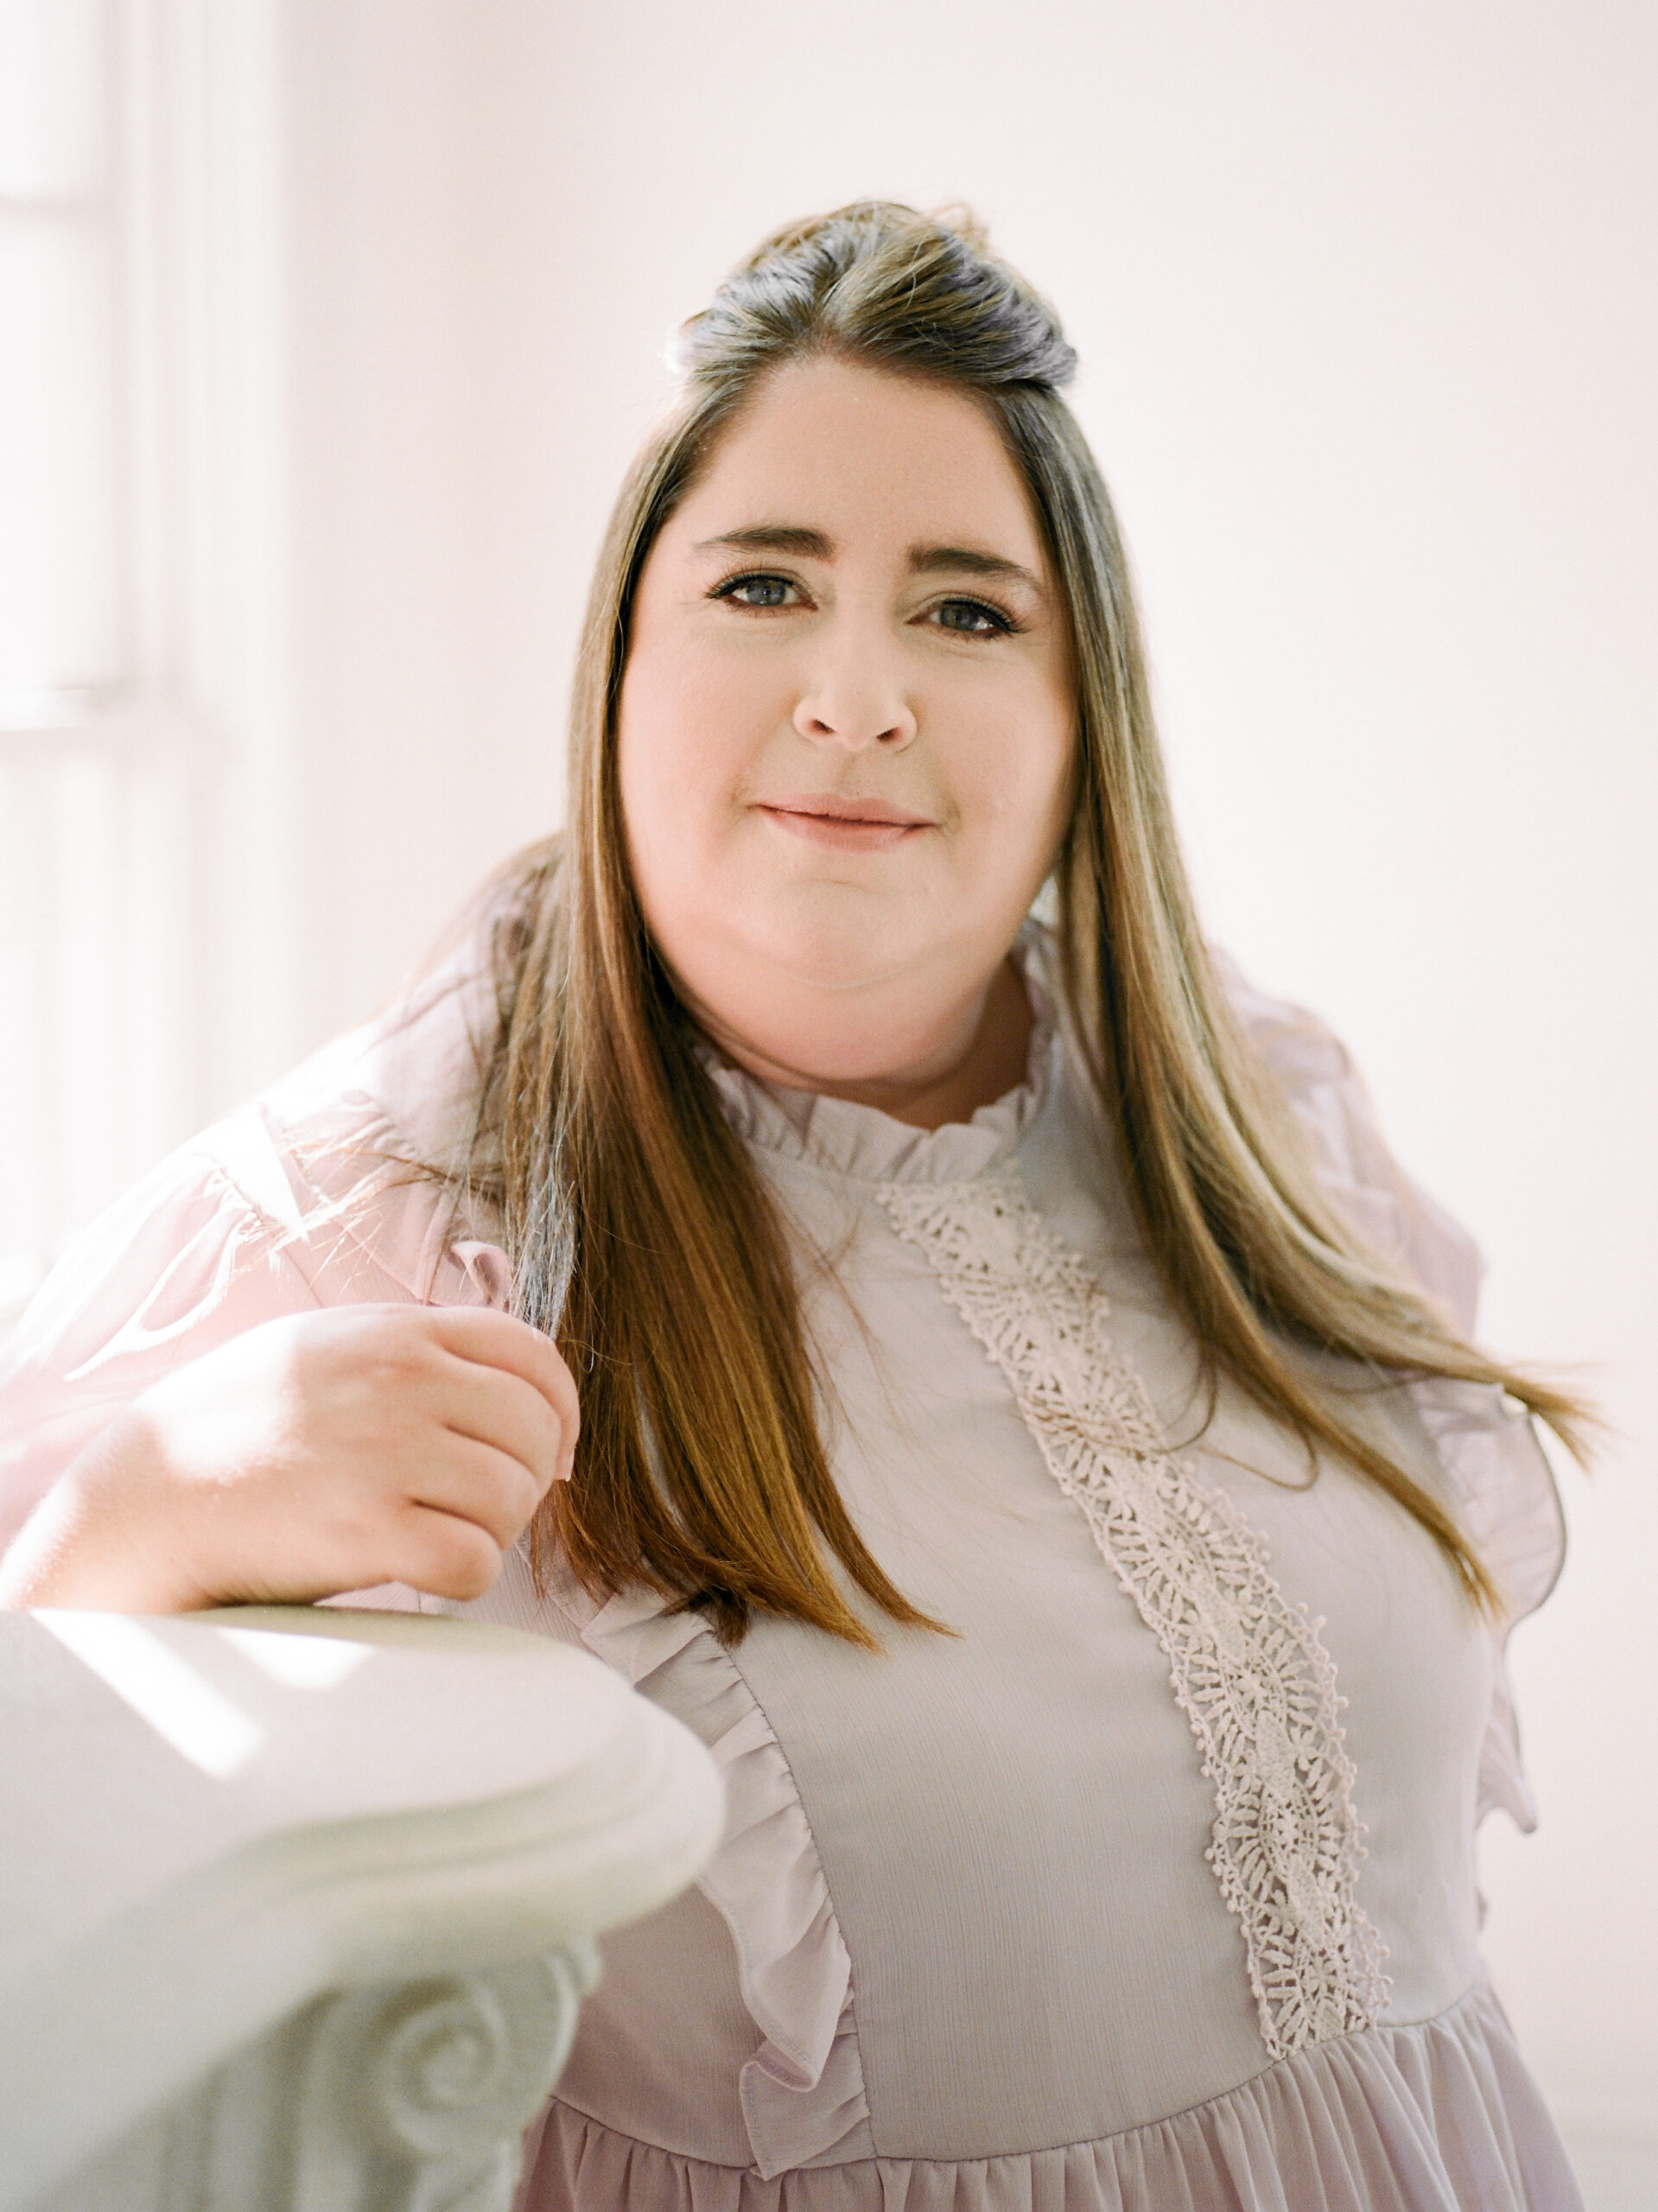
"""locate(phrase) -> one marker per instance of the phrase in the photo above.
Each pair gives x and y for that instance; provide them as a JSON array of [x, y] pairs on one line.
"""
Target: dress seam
[[1478, 1988], [645, 2143], [1311, 2053]]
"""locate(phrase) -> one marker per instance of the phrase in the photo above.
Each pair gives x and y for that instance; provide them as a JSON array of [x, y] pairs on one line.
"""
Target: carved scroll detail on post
[[413, 2098], [400, 2097]]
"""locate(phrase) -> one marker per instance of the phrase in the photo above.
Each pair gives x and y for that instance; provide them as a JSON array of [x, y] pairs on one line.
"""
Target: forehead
[[875, 461]]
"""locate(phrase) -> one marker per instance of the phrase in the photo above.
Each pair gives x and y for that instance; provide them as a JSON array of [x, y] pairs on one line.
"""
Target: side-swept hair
[[638, 1228]]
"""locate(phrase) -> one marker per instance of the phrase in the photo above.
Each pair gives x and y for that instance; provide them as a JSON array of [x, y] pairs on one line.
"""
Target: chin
[[830, 937], [850, 961]]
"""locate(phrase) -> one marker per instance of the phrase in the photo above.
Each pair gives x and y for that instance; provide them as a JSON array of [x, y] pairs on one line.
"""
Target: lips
[[851, 824]]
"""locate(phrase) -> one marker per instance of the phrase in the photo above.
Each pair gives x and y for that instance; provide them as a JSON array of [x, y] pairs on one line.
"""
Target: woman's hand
[[317, 1453]]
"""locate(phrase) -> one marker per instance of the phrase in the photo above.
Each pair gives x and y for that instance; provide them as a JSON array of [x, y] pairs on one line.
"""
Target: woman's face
[[846, 728]]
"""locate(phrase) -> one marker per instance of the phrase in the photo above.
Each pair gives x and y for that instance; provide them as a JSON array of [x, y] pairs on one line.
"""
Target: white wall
[[1365, 303]]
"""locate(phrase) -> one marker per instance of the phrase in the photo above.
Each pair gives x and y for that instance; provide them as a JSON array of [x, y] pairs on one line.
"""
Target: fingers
[[449, 1556], [501, 1340], [473, 1482], [462, 1513], [480, 1373], [445, 1525], [487, 1406]]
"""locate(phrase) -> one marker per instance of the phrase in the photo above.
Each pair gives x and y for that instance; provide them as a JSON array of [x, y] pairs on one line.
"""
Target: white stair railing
[[299, 1906]]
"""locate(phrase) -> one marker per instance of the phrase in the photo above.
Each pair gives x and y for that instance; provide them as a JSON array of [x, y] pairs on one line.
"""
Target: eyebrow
[[775, 537], [967, 560], [923, 559]]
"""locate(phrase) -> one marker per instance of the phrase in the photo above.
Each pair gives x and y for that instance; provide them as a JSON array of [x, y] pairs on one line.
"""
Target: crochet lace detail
[[1249, 1671]]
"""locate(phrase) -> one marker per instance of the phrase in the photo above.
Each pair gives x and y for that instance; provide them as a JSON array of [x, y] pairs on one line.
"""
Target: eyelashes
[[755, 582], [983, 618], [1003, 624]]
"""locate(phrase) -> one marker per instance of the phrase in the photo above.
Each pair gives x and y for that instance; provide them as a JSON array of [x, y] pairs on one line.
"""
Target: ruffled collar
[[840, 1138]]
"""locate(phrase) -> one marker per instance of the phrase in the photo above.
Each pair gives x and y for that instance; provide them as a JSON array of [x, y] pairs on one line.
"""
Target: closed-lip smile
[[853, 825]]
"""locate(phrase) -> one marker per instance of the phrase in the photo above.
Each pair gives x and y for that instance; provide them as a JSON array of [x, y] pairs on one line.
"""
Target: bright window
[[61, 642], [96, 780]]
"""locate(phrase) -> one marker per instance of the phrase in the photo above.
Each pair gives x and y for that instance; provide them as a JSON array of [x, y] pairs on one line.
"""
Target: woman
[[1025, 1421]]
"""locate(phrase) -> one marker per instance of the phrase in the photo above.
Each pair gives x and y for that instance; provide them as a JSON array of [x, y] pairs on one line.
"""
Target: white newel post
[[297, 1907]]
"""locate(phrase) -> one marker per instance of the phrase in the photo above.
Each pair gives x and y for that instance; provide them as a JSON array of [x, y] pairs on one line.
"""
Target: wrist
[[95, 1541]]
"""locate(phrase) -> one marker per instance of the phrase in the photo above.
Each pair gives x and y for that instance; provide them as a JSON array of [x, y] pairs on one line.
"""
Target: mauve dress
[[1152, 1888]]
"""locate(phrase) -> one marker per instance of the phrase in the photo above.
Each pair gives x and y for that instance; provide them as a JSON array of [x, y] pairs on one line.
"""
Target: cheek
[[1015, 779], [686, 732], [687, 725]]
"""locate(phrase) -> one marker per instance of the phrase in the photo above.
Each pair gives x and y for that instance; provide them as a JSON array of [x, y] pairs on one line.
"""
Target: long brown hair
[[638, 1228]]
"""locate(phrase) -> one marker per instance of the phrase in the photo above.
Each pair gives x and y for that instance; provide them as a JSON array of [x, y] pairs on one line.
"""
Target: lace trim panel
[[1249, 1671]]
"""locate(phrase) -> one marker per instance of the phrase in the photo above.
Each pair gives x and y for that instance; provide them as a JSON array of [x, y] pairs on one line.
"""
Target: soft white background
[[1365, 300]]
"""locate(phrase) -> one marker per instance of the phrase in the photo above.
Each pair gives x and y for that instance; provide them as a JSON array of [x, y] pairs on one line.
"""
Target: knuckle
[[457, 1560], [474, 1570], [375, 1350], [390, 1378], [504, 1499], [398, 1363]]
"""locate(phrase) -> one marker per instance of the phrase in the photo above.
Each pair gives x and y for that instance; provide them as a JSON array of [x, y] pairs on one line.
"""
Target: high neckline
[[841, 1137]]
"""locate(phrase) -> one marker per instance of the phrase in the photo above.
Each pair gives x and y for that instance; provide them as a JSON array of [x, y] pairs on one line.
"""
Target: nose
[[853, 696]]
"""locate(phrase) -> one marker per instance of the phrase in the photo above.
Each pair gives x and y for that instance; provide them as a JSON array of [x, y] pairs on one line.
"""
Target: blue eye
[[972, 618], [756, 591]]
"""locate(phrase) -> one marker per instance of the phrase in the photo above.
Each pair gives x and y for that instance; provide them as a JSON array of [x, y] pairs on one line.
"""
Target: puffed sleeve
[[184, 1261], [1500, 1484], [1366, 1185], [314, 1196]]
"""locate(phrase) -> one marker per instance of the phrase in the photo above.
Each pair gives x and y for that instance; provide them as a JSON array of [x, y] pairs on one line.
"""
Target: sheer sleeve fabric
[[321, 1194], [1500, 1485], [1402, 1224]]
